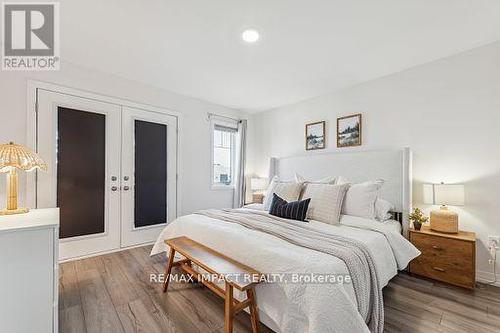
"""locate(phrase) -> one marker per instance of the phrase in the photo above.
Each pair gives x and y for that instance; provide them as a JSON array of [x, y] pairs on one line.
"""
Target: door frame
[[32, 127]]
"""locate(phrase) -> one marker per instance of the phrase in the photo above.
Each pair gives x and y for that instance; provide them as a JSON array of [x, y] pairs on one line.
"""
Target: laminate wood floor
[[112, 293]]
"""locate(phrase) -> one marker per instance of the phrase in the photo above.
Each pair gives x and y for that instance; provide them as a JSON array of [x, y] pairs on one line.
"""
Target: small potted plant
[[418, 218]]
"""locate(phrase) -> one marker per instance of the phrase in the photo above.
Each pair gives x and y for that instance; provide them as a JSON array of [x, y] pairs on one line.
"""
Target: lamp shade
[[16, 156], [444, 194], [258, 184], [449, 194], [428, 193]]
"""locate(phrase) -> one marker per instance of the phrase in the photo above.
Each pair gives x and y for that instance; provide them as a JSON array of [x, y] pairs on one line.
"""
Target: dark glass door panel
[[150, 158], [81, 149]]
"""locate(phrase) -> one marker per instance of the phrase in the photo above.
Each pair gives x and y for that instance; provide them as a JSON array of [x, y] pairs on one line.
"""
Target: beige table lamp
[[13, 157], [443, 219], [258, 185]]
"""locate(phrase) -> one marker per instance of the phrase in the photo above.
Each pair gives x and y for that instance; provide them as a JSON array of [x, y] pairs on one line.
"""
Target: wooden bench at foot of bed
[[233, 273]]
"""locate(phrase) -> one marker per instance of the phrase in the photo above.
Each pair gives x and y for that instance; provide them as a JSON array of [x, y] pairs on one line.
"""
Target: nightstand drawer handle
[[436, 247], [438, 269]]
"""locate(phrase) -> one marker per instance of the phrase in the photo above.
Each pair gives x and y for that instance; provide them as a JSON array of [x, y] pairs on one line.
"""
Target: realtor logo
[[31, 36]]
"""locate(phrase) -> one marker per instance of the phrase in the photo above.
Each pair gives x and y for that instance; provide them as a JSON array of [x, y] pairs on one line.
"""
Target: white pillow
[[341, 180], [326, 180], [326, 201], [360, 199], [289, 191], [383, 209]]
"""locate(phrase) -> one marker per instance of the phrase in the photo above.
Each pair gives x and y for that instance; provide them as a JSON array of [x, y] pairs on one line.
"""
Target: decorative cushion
[[341, 180], [383, 209], [360, 199], [295, 210], [289, 191], [326, 201]]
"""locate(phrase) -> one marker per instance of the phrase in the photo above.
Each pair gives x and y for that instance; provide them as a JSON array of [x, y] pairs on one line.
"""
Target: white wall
[[194, 133], [447, 111]]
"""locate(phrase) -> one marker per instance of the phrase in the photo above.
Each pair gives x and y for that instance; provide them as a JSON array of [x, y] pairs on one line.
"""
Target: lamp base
[[14, 211], [443, 220], [257, 198]]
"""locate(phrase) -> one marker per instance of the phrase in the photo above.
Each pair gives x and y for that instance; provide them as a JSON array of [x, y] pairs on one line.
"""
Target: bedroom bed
[[292, 302]]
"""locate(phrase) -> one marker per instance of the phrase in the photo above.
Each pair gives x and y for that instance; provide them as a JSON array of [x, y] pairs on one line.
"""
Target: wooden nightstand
[[448, 258]]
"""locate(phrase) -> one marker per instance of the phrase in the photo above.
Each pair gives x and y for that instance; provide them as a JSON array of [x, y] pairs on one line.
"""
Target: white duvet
[[299, 307]]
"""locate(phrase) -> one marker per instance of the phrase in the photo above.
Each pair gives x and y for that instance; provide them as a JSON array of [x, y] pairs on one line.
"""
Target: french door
[[112, 172], [149, 174]]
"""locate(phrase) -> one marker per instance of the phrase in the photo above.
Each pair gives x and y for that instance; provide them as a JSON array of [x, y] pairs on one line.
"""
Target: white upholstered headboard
[[393, 166]]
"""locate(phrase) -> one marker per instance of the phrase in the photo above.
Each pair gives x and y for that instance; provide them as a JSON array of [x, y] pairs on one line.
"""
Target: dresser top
[[34, 219], [462, 235]]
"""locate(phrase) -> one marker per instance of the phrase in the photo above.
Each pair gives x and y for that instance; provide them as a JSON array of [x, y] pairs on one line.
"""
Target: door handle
[[114, 188], [126, 188]]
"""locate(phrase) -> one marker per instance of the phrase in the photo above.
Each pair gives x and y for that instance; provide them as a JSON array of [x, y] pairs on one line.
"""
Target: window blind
[[223, 128]]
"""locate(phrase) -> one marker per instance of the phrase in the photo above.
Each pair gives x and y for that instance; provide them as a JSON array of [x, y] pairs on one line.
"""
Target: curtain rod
[[209, 114]]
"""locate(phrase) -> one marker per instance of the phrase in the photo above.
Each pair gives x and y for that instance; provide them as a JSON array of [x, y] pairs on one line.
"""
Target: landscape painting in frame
[[349, 131], [315, 135]]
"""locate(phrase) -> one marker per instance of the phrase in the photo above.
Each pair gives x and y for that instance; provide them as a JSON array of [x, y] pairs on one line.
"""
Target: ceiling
[[307, 48]]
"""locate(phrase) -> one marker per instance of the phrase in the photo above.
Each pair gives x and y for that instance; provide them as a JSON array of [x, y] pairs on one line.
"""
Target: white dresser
[[29, 271]]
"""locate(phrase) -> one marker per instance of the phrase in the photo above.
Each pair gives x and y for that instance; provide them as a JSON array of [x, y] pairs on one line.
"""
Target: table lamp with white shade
[[258, 186], [12, 158], [443, 219]]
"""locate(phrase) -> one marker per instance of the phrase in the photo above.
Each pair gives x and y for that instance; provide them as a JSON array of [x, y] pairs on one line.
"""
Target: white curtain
[[240, 185]]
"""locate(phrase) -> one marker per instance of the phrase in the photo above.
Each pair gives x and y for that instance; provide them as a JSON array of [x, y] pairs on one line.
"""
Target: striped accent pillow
[[295, 210], [326, 201]]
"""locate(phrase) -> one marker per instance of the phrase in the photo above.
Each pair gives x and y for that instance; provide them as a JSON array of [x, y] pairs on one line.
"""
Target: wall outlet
[[494, 240]]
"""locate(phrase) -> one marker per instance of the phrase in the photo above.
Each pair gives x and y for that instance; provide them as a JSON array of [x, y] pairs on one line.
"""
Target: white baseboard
[[488, 278], [105, 252]]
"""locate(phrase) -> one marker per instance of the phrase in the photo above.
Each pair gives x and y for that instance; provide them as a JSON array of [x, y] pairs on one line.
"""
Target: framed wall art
[[315, 135], [349, 131]]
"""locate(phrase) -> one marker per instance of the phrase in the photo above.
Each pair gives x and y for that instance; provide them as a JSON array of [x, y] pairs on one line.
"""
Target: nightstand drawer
[[445, 248], [438, 268], [446, 258]]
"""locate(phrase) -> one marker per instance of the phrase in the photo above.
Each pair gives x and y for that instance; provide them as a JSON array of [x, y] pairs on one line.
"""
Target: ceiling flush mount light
[[250, 36]]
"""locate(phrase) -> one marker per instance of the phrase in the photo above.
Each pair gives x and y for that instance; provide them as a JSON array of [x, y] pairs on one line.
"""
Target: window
[[224, 155]]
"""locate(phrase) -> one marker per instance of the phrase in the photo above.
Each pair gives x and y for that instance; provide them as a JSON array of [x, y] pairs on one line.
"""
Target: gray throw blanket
[[354, 254]]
